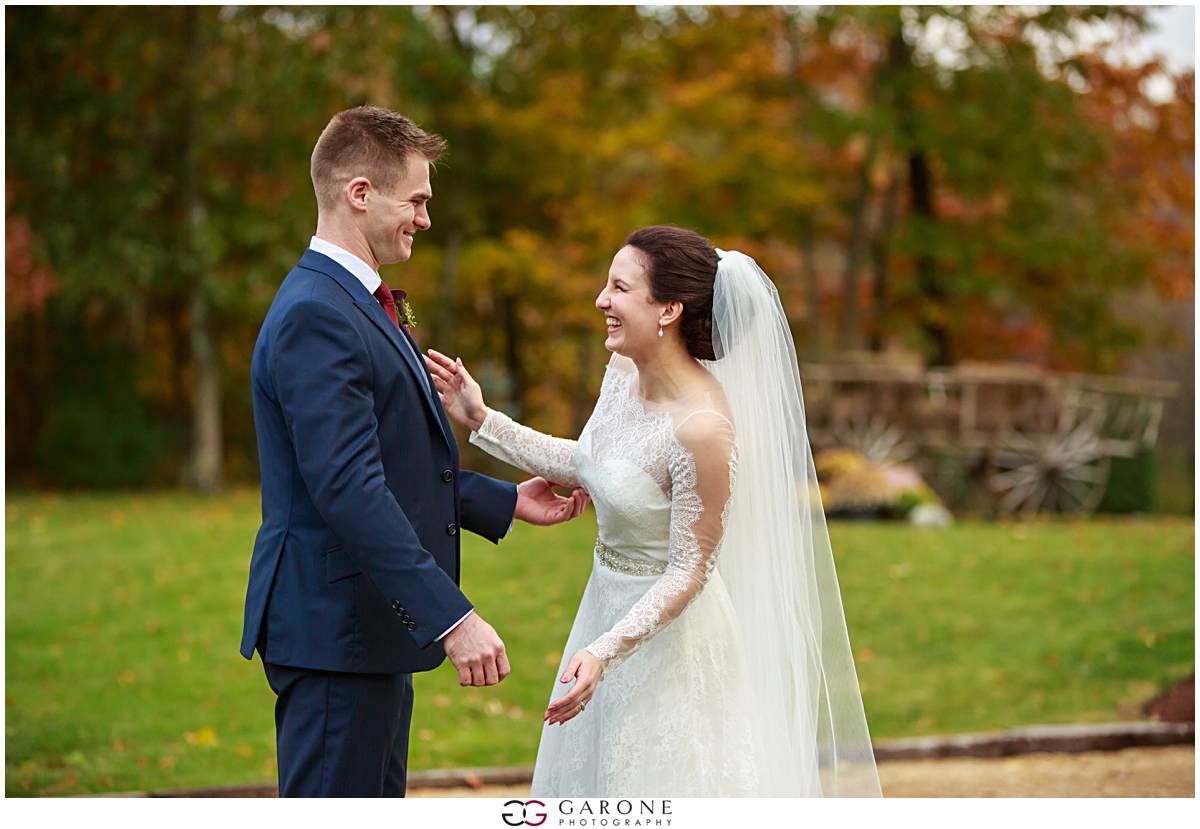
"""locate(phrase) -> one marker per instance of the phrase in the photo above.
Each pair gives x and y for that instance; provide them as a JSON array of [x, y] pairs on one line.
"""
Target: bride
[[709, 656]]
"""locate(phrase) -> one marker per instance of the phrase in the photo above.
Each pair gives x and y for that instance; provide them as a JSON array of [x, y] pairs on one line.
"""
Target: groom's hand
[[537, 503], [475, 650]]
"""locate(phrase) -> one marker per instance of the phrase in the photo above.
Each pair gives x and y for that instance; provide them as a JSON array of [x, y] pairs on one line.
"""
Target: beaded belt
[[613, 560]]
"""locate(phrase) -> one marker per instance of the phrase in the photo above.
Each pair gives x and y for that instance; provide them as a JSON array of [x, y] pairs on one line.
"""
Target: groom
[[354, 577]]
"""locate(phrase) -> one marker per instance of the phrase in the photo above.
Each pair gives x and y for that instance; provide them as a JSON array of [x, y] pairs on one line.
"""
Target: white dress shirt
[[363, 272], [370, 279]]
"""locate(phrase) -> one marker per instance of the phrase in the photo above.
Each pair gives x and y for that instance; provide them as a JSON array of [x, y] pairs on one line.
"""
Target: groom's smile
[[392, 222]]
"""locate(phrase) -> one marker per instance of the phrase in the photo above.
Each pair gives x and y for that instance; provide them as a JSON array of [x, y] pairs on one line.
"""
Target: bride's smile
[[631, 313]]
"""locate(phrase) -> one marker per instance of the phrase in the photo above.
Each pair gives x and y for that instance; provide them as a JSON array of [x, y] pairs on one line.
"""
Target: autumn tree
[[963, 182]]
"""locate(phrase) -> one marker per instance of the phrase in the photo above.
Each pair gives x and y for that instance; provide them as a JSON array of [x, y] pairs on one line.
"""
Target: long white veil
[[776, 558]]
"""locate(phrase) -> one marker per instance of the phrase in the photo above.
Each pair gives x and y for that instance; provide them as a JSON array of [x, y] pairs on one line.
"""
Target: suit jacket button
[[451, 529], [412, 625], [396, 606], [447, 476]]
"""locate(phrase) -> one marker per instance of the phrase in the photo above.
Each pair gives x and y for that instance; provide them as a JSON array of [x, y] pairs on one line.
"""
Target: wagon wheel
[[1052, 459], [876, 440]]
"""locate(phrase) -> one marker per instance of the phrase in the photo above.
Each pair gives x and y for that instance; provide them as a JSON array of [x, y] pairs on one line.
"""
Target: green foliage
[[1177, 490], [90, 441], [97, 430], [123, 616], [1133, 484], [906, 503]]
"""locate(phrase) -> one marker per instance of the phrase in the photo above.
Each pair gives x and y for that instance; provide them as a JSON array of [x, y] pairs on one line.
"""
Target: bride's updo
[[681, 266]]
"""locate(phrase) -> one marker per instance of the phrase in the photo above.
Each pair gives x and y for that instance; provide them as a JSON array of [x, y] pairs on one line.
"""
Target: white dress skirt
[[669, 716]]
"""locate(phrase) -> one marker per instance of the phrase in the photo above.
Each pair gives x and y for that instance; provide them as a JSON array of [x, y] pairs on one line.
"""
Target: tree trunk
[[879, 264], [931, 292], [849, 335], [812, 286], [583, 396], [41, 388], [207, 407], [512, 353], [442, 335], [929, 287], [206, 401]]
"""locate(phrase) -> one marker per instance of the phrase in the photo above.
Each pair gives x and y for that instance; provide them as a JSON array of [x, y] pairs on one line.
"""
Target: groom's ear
[[355, 192]]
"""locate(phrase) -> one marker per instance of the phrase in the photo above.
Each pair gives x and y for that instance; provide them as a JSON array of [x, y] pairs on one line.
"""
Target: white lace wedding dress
[[669, 716]]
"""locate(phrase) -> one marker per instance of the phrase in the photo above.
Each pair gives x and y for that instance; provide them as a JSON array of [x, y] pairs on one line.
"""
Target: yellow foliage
[[205, 736]]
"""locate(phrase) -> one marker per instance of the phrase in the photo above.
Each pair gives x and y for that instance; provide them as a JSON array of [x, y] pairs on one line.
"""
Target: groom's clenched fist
[[475, 650]]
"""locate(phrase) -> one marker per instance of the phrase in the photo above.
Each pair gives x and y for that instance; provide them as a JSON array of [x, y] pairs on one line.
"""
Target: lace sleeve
[[703, 463], [552, 458]]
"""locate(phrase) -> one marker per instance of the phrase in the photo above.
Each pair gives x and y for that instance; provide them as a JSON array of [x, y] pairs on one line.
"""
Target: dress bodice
[[661, 476], [621, 459]]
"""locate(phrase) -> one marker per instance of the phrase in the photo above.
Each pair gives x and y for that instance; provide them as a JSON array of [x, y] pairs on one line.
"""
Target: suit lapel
[[408, 352], [400, 339]]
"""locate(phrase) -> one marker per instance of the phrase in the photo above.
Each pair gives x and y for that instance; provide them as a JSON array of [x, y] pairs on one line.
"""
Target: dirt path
[[1134, 772]]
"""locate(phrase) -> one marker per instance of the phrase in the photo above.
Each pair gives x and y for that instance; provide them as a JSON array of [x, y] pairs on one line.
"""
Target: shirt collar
[[361, 270]]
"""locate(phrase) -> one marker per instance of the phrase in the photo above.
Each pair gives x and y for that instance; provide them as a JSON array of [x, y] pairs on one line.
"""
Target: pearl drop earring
[[660, 329]]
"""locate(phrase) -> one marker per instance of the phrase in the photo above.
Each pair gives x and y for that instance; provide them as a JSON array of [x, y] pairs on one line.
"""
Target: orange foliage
[[1154, 158], [27, 283]]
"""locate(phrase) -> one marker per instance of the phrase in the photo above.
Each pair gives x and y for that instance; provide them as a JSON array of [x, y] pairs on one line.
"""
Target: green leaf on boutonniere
[[410, 319]]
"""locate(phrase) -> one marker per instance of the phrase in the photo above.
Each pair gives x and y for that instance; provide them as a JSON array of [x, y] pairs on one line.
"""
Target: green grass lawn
[[124, 614]]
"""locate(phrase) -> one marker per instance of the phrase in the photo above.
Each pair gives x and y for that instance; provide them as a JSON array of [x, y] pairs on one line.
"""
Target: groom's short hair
[[368, 141]]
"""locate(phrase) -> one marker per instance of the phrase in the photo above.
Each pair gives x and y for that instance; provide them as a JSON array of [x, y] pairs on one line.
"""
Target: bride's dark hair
[[681, 266]]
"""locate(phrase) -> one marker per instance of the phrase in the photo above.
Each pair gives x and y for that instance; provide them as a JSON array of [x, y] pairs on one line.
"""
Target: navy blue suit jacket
[[356, 565]]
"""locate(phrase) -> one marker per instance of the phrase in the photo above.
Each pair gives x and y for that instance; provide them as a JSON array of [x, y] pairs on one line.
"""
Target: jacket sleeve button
[[412, 625], [396, 605], [451, 529]]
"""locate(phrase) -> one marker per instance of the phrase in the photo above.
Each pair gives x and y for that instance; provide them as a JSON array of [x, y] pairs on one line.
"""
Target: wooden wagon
[[1037, 440]]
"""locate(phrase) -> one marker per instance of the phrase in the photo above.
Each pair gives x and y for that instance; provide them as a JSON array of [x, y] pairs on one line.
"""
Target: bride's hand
[[459, 392], [586, 670]]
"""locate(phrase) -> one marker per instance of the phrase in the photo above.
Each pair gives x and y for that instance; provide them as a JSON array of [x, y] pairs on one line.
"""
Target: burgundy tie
[[387, 298]]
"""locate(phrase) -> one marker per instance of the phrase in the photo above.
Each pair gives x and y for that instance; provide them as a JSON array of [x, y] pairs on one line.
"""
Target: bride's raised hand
[[459, 392]]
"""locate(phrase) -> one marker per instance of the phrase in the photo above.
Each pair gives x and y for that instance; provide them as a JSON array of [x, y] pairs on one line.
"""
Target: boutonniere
[[410, 319]]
